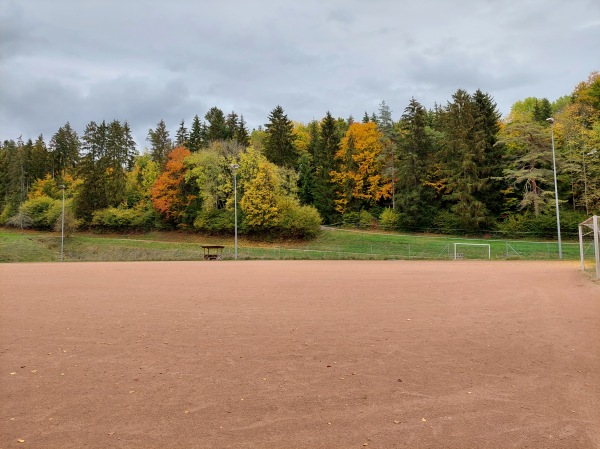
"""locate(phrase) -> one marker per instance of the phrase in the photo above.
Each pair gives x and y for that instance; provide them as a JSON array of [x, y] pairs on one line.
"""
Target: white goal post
[[590, 223], [458, 255]]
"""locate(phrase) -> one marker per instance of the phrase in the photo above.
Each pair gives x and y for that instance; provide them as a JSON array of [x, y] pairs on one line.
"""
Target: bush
[[389, 219], [43, 210], [71, 222], [301, 222], [447, 223], [119, 218], [20, 220], [216, 221], [6, 214], [543, 226], [351, 219], [366, 220]]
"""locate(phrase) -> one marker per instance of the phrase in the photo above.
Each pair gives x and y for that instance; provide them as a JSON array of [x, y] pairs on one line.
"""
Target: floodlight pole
[[234, 167], [551, 121], [62, 226]]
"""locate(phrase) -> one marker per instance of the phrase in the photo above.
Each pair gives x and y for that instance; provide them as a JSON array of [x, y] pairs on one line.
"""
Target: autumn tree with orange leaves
[[172, 196], [359, 179]]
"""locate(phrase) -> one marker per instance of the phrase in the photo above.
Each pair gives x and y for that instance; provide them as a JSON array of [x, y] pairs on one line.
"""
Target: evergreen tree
[[415, 197], [279, 139], [366, 118], [160, 143], [385, 124], [529, 167], [39, 164], [325, 149], [197, 138], [492, 164], [129, 152], [216, 129], [241, 133], [107, 150], [542, 110], [182, 136], [64, 150], [306, 169], [92, 169], [461, 158], [231, 125]]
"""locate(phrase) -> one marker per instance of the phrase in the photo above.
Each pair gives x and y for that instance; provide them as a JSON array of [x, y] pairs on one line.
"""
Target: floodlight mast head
[[550, 120]]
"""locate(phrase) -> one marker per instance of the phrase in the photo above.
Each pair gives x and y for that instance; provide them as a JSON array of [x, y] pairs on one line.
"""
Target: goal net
[[472, 251], [589, 251]]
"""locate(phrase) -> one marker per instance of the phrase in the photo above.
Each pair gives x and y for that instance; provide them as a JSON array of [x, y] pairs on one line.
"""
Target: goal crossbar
[[472, 244]]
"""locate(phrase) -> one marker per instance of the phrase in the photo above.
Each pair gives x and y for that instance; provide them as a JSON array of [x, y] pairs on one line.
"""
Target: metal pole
[[62, 227], [581, 248], [551, 120], [596, 244], [234, 168]]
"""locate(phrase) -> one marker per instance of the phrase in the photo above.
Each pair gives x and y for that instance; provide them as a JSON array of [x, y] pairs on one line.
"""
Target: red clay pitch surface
[[381, 354]]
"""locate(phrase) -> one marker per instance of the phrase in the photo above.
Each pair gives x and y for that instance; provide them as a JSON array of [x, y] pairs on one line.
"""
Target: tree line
[[453, 168]]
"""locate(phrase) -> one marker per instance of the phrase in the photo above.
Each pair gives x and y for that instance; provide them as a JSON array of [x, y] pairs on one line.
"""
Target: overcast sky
[[146, 60]]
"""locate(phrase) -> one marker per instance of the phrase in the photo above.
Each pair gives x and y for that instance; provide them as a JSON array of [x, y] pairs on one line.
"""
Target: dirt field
[[382, 354]]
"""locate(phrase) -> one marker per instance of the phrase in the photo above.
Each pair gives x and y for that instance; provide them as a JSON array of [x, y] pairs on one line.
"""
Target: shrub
[[389, 219], [351, 219], [301, 222], [6, 214], [43, 210], [447, 223], [119, 218], [20, 220], [366, 220], [543, 226], [216, 221]]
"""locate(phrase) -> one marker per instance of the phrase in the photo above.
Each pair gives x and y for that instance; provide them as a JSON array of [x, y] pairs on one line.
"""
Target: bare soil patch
[[299, 354]]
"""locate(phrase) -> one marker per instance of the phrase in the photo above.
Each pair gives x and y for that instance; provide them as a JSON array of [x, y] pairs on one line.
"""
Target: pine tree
[[160, 143], [197, 137], [216, 129], [461, 160], [492, 164], [279, 139], [325, 149], [385, 124], [306, 169], [182, 136], [415, 197], [107, 151], [64, 150], [241, 133], [231, 125], [39, 164]]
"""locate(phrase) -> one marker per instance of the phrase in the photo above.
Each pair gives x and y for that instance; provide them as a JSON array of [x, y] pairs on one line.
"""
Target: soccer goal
[[589, 235], [472, 251]]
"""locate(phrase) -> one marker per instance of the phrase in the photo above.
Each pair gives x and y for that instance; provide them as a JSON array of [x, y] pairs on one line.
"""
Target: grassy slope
[[17, 246]]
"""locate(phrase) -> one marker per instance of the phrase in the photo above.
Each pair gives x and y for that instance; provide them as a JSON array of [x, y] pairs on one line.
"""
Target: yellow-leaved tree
[[261, 199], [359, 179]]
